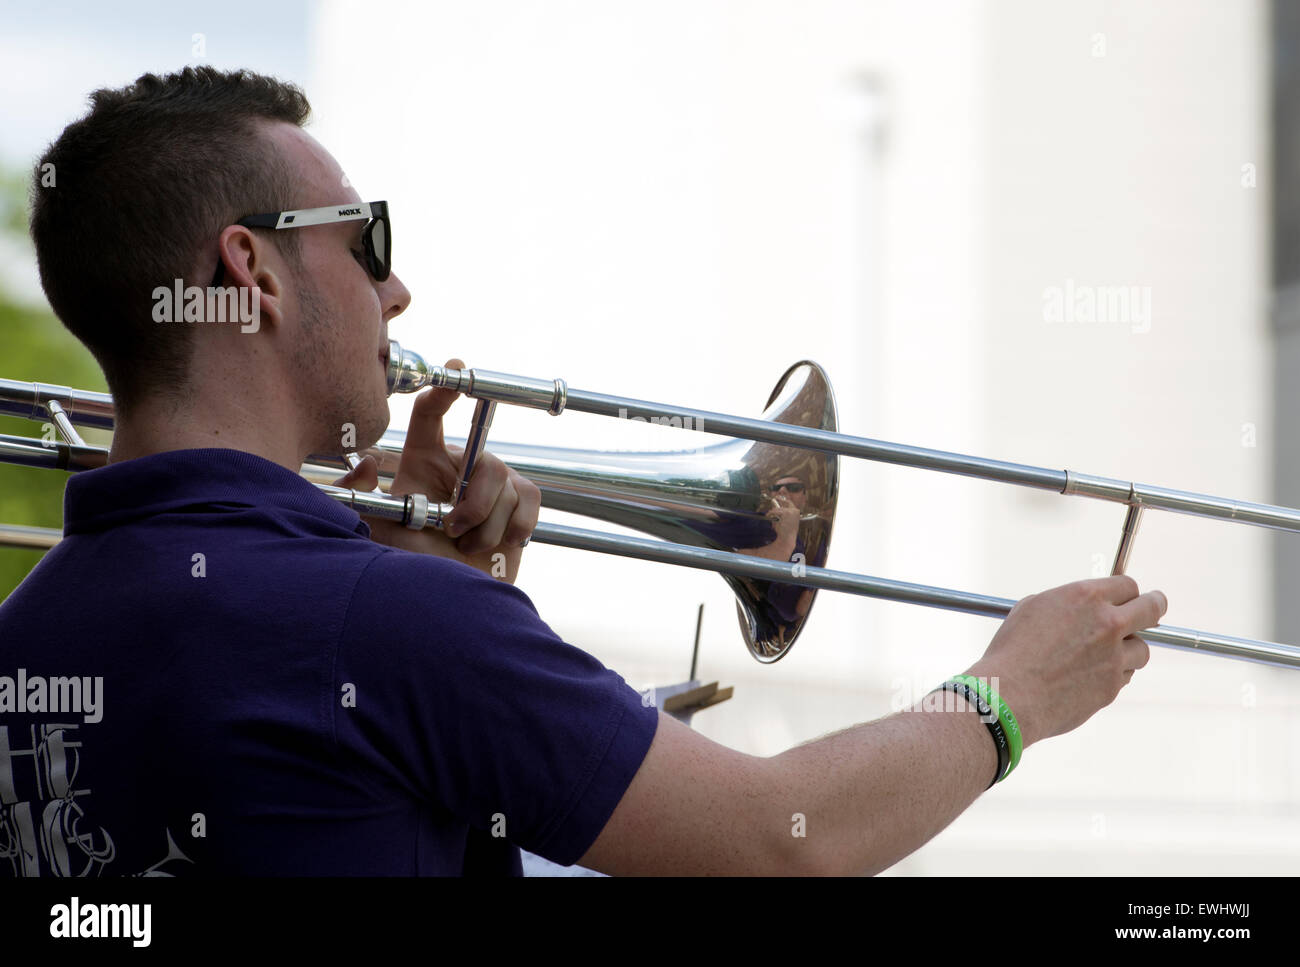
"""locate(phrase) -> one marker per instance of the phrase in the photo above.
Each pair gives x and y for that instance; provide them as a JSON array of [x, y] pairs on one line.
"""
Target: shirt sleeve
[[465, 697]]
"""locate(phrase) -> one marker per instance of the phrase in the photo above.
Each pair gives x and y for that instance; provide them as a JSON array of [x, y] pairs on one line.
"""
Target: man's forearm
[[872, 794], [862, 799]]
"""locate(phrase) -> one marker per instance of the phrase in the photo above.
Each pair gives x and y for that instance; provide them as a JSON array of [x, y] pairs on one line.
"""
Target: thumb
[[364, 477], [425, 430]]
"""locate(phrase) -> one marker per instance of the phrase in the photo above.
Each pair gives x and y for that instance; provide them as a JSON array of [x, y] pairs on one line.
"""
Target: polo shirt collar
[[119, 493]]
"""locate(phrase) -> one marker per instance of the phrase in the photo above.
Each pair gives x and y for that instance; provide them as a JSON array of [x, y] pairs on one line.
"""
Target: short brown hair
[[140, 186]]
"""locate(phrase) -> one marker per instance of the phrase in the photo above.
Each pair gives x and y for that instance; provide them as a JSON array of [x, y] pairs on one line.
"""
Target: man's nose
[[394, 296]]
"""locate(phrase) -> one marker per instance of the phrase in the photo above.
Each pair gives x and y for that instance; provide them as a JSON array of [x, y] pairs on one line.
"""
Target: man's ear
[[251, 261]]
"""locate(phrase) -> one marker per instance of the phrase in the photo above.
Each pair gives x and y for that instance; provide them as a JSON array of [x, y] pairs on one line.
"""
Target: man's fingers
[[524, 520], [494, 510], [423, 468], [425, 430], [512, 519], [491, 532], [487, 480], [1135, 653], [1118, 588], [1144, 611]]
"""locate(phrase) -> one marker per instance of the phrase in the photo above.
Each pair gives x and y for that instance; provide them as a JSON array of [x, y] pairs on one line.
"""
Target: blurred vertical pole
[[858, 112], [1285, 187]]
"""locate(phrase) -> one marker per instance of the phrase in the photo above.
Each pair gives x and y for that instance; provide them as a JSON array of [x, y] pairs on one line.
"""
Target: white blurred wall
[[675, 200]]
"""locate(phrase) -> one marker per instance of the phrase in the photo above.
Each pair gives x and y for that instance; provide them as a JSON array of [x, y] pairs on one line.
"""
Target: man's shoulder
[[446, 582], [421, 608]]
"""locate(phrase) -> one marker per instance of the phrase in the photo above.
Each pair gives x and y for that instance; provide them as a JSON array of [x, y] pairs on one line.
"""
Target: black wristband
[[990, 718]]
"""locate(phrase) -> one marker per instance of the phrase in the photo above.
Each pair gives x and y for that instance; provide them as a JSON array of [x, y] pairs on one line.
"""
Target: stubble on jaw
[[332, 404]]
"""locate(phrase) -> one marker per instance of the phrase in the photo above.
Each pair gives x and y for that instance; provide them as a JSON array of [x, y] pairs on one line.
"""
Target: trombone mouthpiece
[[407, 371]]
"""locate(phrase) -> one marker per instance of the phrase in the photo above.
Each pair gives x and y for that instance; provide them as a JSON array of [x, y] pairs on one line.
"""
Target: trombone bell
[[759, 499]]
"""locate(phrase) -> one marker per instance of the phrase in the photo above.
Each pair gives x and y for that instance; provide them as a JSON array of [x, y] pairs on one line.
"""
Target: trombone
[[713, 508]]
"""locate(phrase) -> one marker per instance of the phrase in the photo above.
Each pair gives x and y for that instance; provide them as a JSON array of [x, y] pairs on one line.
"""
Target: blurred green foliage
[[13, 203], [35, 347]]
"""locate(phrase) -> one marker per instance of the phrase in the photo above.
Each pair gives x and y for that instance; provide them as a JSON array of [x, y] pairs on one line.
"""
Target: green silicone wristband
[[1008, 720]]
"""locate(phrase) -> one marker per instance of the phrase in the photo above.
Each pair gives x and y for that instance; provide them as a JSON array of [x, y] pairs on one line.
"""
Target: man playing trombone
[[288, 690]]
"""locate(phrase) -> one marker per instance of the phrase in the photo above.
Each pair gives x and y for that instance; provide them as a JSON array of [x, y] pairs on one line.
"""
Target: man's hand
[[1062, 655], [488, 527], [784, 516]]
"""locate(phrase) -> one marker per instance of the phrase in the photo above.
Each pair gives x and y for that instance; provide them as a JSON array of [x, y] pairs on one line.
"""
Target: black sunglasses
[[794, 488], [376, 237]]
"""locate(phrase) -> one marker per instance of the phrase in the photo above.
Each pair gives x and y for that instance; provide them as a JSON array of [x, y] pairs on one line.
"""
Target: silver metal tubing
[[19, 535], [52, 455], [538, 394], [414, 511], [680, 497], [1249, 649], [96, 409], [88, 408], [1131, 522], [702, 558], [31, 402], [484, 410], [60, 417]]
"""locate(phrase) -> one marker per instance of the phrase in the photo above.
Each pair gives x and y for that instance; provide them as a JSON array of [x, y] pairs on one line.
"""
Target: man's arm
[[870, 795], [852, 802]]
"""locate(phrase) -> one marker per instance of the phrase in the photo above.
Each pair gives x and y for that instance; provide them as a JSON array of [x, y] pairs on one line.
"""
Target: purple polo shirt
[[218, 672]]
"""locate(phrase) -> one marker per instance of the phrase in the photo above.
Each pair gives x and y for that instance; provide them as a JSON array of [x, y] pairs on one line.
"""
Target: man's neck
[[158, 426]]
